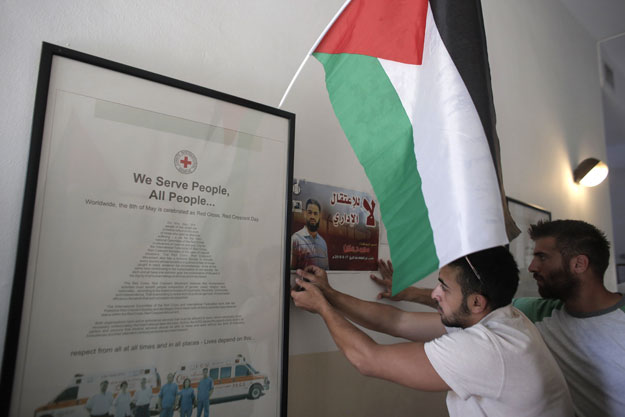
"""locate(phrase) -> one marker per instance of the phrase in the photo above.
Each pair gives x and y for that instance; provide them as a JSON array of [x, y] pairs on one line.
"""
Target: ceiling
[[602, 18], [605, 22]]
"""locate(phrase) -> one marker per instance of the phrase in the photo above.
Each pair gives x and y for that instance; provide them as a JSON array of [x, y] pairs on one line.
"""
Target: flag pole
[[336, 16]]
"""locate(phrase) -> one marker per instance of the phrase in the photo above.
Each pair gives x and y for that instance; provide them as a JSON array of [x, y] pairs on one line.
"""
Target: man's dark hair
[[498, 275], [576, 237], [312, 201]]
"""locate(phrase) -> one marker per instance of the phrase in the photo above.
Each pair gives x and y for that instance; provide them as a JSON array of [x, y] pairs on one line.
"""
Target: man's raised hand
[[310, 297], [385, 268], [316, 276]]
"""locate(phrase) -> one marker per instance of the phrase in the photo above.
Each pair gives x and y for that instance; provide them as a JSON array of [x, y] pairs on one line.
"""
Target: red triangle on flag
[[387, 29]]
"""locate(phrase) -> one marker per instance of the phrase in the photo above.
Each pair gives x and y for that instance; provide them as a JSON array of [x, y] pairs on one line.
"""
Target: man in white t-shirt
[[142, 399], [581, 321], [485, 353], [100, 404]]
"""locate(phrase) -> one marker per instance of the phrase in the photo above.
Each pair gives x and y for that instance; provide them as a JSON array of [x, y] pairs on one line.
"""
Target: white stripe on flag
[[453, 157]]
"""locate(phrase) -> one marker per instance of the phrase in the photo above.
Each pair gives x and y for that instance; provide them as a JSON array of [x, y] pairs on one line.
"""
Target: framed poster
[[153, 260], [522, 247]]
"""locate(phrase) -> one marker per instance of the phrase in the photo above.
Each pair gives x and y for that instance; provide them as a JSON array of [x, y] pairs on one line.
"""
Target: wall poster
[[522, 247], [153, 259], [334, 228]]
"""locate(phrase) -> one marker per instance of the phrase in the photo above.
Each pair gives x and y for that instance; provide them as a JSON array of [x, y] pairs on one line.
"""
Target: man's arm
[[403, 363], [383, 318], [413, 294]]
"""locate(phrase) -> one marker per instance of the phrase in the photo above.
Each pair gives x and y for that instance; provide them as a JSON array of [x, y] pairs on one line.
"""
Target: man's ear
[[477, 303], [579, 264]]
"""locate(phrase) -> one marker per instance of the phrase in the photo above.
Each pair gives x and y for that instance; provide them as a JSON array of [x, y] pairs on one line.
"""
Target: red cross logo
[[186, 161]]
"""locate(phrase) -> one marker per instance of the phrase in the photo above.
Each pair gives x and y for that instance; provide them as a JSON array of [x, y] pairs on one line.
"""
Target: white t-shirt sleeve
[[469, 361]]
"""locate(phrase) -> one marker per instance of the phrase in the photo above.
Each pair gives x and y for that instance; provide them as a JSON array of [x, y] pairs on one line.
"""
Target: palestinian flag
[[410, 85]]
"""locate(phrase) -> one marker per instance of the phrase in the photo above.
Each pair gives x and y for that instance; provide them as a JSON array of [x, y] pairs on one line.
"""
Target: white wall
[[246, 48], [543, 66], [615, 148], [548, 101]]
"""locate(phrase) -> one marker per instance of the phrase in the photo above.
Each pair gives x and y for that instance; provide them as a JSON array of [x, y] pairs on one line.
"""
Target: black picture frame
[[522, 247], [38, 170]]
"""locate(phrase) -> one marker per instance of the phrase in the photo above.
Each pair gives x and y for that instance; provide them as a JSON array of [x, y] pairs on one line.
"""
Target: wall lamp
[[590, 172]]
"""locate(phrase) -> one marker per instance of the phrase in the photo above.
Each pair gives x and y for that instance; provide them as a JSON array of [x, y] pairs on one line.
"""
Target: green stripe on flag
[[376, 125]]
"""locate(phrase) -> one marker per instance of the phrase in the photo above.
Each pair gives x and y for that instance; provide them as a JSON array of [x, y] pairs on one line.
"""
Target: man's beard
[[456, 318], [560, 284], [312, 227]]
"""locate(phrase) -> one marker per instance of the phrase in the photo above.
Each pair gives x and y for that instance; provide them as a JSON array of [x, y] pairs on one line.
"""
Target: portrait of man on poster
[[307, 245]]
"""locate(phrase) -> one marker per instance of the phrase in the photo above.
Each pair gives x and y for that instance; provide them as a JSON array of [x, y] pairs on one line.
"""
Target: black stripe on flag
[[461, 27]]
